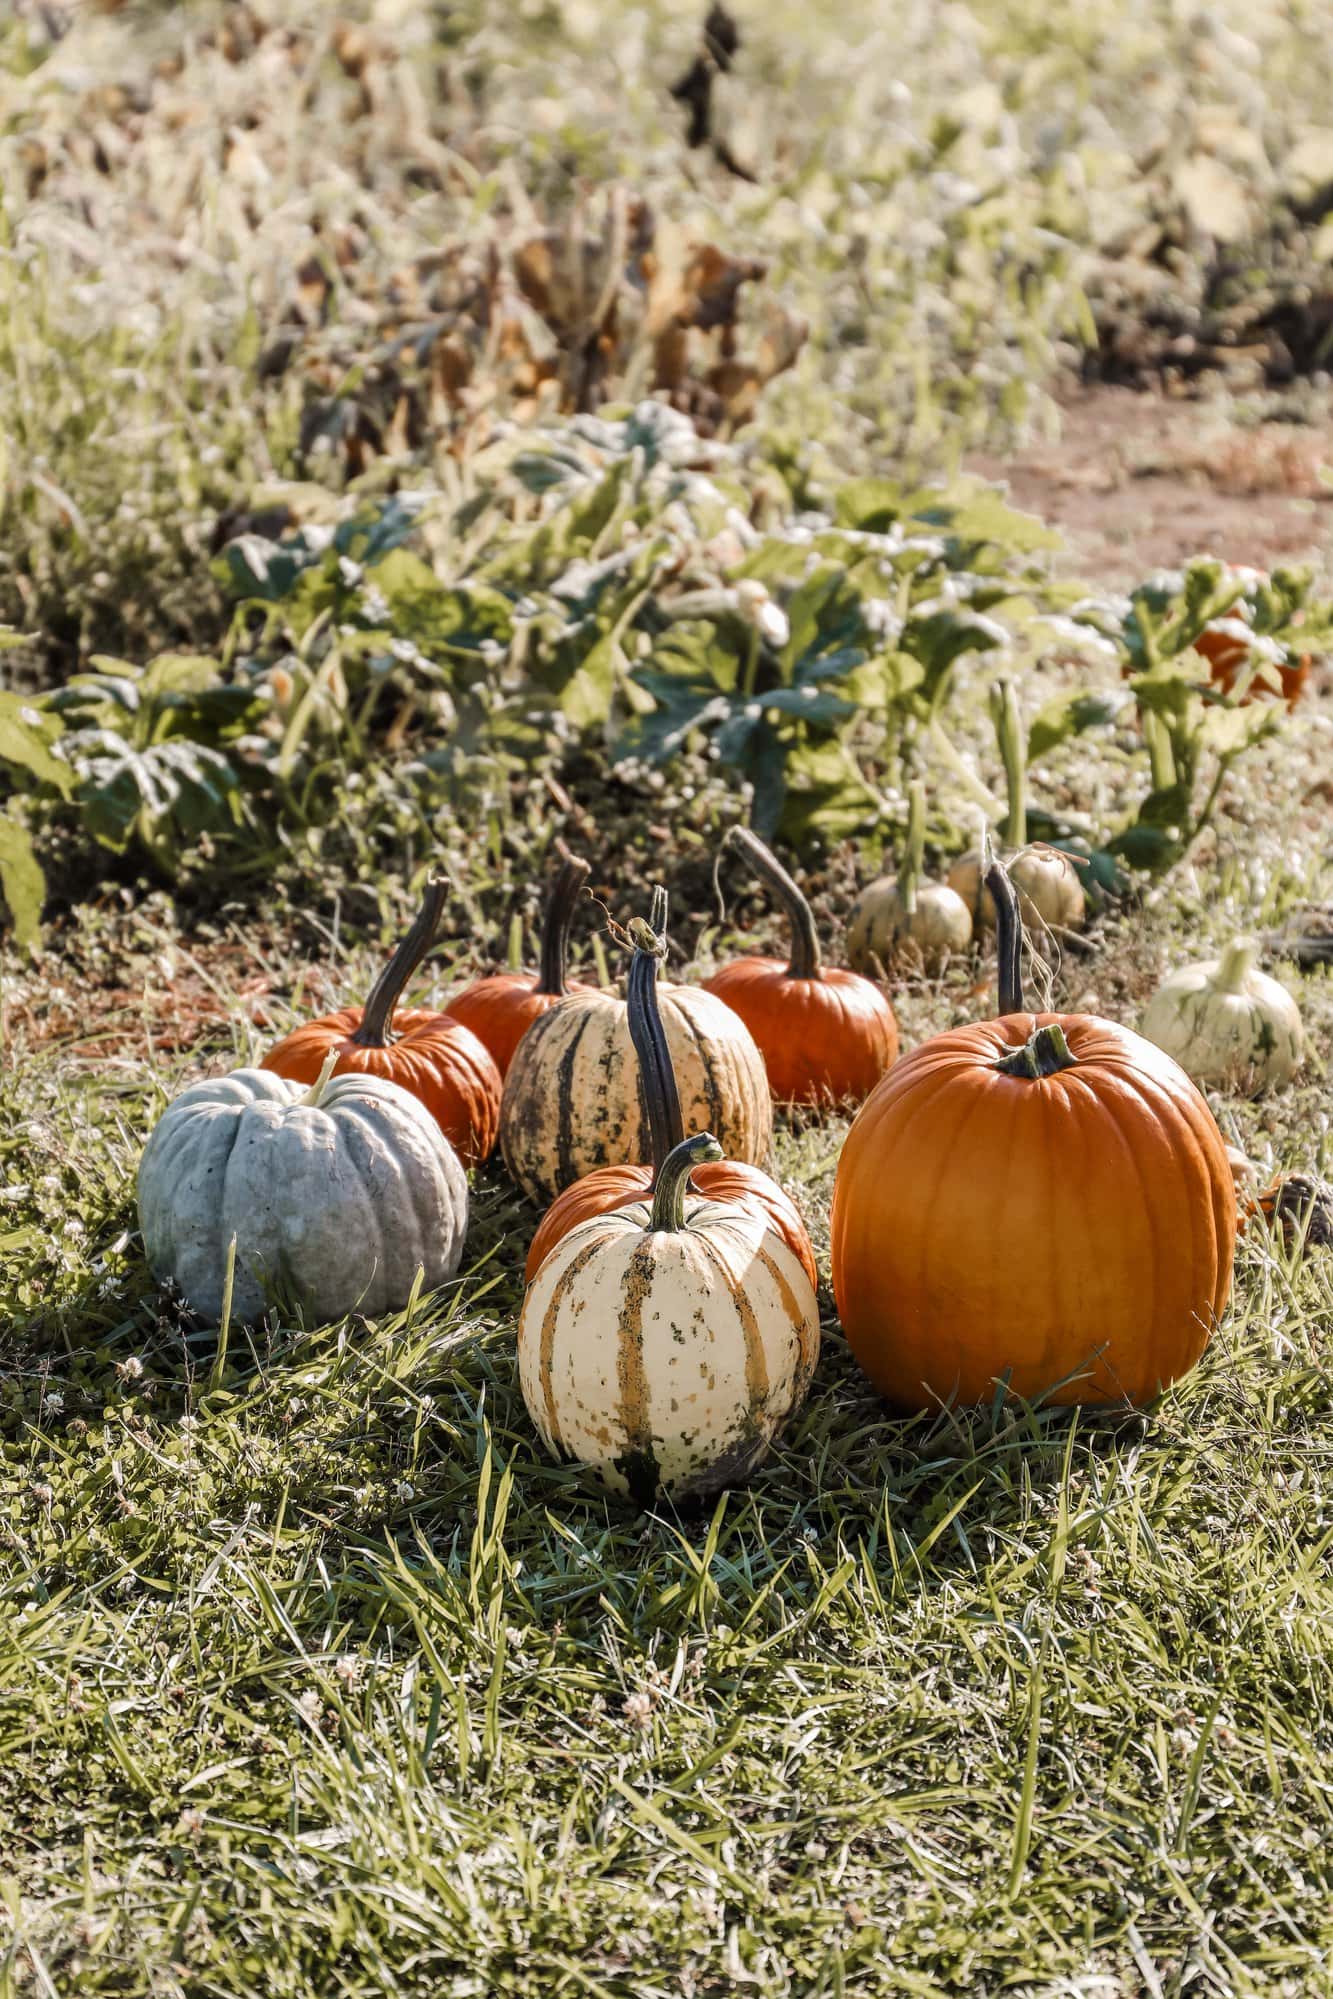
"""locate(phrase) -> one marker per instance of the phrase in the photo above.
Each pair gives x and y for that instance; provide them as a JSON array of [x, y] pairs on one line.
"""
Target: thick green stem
[[909, 868], [377, 1018], [1008, 938], [1235, 965], [555, 926], [657, 1077], [1044, 1053], [805, 954], [1013, 751], [669, 1195]]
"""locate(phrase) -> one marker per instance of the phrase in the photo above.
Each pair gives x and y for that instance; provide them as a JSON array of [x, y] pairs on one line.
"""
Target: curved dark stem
[[669, 1195], [555, 925], [377, 1018], [1008, 938], [657, 1077], [805, 953]]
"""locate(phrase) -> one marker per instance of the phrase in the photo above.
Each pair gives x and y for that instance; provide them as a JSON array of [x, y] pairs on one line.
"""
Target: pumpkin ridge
[[403, 1185], [791, 1307], [631, 1377], [546, 1342], [757, 1379], [927, 1195], [564, 1100], [1186, 1108]]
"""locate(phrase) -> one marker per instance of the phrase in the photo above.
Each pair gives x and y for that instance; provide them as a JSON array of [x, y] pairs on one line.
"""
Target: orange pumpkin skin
[[1076, 1224], [500, 1009], [826, 1036], [608, 1187], [824, 1039], [1227, 655], [432, 1056]]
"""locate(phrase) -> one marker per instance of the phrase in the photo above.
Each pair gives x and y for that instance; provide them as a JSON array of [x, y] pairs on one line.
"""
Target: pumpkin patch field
[[666, 1000]]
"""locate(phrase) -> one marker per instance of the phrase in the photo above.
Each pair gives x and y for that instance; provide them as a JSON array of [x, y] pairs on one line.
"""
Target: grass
[[316, 1678]]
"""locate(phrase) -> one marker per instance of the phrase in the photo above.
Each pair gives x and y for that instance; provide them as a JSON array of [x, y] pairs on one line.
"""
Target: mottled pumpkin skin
[[501, 1009], [1246, 1038], [724, 1180], [436, 1059], [572, 1099], [1076, 1225], [336, 1205], [667, 1361], [824, 1040]]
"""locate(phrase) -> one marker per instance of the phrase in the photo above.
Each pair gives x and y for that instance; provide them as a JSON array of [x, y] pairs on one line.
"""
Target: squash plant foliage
[[620, 585]]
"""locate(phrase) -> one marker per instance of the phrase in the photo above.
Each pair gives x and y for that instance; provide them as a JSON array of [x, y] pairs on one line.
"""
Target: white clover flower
[[52, 1402], [310, 1707]]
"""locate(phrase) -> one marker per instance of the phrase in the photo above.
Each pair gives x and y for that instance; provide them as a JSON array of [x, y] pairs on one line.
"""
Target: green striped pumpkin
[[573, 1100], [665, 1346]]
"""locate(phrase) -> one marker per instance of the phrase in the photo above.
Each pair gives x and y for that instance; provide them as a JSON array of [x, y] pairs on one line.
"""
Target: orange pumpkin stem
[[1044, 1053], [553, 962], [657, 1077], [806, 961], [377, 1017], [1008, 938]]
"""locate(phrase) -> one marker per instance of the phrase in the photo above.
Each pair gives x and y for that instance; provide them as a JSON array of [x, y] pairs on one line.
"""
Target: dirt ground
[[1137, 481]]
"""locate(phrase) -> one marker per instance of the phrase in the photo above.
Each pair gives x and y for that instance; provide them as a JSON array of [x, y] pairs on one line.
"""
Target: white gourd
[[936, 928], [1050, 894], [336, 1195], [665, 1346], [904, 917], [1228, 1024]]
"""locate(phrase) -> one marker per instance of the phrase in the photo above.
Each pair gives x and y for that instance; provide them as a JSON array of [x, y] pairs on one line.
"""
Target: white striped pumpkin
[[573, 1102], [665, 1346]]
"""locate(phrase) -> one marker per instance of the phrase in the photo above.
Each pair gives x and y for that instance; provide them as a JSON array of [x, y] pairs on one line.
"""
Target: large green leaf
[[27, 736], [166, 794], [1070, 715], [21, 880]]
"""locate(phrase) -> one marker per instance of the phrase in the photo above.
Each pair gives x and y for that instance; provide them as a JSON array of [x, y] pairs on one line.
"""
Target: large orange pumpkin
[[428, 1054], [608, 1187], [502, 1008], [1043, 1200], [826, 1036]]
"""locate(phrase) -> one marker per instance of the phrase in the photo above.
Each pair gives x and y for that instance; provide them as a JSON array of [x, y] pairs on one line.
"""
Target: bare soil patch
[[1136, 481]]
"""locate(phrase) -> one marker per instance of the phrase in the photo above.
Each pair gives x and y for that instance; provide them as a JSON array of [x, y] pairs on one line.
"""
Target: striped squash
[[665, 1346], [616, 1186], [572, 1098]]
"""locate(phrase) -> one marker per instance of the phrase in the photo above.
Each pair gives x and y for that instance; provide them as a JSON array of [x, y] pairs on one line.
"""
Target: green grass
[[316, 1676]]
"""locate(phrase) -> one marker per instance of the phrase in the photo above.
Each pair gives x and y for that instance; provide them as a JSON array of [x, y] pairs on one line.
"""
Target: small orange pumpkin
[[608, 1187], [502, 1008], [826, 1036], [1228, 654], [428, 1054], [1042, 1199]]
